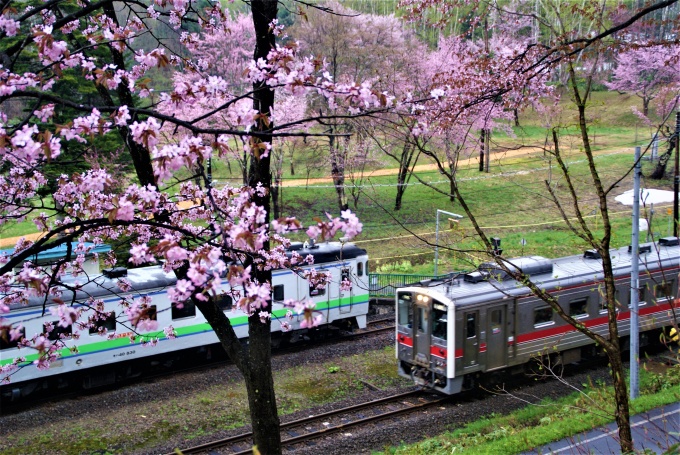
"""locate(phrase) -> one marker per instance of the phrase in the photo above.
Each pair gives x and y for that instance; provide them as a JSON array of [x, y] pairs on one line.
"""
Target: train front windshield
[[405, 310], [430, 314]]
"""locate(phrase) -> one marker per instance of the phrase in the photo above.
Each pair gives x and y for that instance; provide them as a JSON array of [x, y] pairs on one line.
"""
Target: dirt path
[[472, 161]]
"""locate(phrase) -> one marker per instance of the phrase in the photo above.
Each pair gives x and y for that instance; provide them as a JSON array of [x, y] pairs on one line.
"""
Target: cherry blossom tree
[[645, 71], [231, 233], [371, 47]]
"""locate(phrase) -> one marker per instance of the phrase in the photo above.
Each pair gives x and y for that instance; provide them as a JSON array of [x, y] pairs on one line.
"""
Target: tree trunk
[[402, 175], [660, 169], [338, 171], [258, 374], [612, 347], [482, 150], [622, 413]]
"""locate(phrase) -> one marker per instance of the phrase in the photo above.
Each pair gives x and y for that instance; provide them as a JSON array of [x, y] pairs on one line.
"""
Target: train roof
[[484, 285], [327, 251], [59, 252], [149, 279]]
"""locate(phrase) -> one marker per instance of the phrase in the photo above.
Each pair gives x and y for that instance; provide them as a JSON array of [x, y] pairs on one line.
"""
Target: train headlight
[[422, 298]]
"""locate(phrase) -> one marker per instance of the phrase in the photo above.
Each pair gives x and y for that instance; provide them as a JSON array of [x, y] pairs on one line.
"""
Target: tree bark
[[612, 347], [660, 169], [402, 175], [258, 374], [338, 171]]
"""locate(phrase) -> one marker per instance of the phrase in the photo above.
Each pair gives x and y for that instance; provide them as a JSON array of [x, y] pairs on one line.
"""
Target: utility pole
[[486, 131], [635, 280], [676, 182]]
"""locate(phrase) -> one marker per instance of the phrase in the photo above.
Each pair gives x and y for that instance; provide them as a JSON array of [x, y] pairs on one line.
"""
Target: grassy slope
[[509, 201]]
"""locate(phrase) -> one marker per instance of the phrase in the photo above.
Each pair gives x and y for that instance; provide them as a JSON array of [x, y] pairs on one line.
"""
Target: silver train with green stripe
[[102, 360]]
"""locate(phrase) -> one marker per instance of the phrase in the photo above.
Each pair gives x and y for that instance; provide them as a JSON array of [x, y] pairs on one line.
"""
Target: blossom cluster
[[214, 237]]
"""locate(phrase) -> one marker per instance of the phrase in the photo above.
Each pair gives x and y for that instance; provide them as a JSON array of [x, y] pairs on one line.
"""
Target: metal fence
[[383, 285]]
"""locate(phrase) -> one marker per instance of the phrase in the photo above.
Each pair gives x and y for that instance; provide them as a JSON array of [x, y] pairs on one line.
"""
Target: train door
[[496, 344], [471, 338], [345, 299], [422, 334]]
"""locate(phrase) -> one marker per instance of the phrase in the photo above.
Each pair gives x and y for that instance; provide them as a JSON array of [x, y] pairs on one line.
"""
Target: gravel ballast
[[362, 440]]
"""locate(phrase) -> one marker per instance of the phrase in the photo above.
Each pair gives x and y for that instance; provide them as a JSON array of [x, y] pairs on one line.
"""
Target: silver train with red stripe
[[451, 333]]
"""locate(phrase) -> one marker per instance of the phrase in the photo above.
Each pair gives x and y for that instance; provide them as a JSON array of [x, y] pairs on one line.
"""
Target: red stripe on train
[[563, 329], [405, 340], [436, 351]]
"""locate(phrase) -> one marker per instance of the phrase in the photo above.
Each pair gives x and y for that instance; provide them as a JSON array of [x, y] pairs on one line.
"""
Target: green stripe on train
[[180, 331]]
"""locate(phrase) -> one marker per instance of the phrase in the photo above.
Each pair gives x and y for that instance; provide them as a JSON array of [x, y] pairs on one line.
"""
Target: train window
[[405, 310], [360, 269], [603, 302], [578, 308], [642, 295], [314, 291], [663, 291], [149, 313], [439, 327], [57, 331], [278, 294], [496, 318], [642, 292], [106, 322], [543, 316], [187, 310], [422, 320], [224, 301], [366, 268], [344, 277], [471, 325], [6, 341]]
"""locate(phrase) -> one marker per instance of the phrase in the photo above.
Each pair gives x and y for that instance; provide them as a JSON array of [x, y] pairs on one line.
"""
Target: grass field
[[509, 202]]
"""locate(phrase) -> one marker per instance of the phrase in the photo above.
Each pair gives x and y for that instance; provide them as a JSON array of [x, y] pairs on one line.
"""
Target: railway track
[[304, 431], [374, 327]]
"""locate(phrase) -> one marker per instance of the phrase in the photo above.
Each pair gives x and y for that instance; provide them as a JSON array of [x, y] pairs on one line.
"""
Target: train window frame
[[57, 331], [7, 343], [405, 301], [225, 301], [278, 293], [187, 311], [642, 293], [109, 324], [603, 303], [423, 322], [543, 323], [439, 321], [315, 291], [345, 275], [579, 304], [666, 286], [471, 317], [360, 268]]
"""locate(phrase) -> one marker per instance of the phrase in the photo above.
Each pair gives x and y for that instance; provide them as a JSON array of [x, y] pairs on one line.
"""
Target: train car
[[451, 333], [336, 307]]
